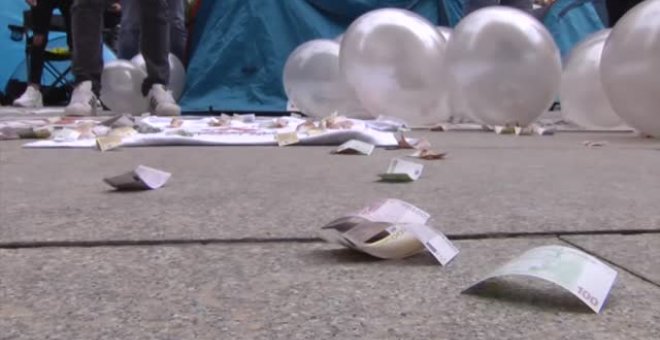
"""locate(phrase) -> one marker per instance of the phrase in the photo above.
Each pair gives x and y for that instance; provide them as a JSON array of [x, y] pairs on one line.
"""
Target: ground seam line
[[603, 258], [251, 240]]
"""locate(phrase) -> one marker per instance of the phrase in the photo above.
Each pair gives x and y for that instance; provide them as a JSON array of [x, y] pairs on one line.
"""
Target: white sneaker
[[83, 101], [31, 98], [161, 102]]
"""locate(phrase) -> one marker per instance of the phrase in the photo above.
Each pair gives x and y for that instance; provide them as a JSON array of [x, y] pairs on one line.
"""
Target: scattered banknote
[[65, 135], [523, 131], [504, 130], [288, 138], [544, 131], [427, 154], [107, 143], [594, 144], [306, 126], [176, 123], [101, 130], [219, 122], [581, 274], [121, 120], [412, 143], [142, 178], [245, 118], [389, 229], [401, 170], [123, 132], [355, 147]]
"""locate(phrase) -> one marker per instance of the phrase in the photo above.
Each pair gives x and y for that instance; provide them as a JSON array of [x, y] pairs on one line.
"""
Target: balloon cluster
[[500, 66], [121, 84]]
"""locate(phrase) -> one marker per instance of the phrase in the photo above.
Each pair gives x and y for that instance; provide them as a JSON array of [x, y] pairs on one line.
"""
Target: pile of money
[[389, 229]]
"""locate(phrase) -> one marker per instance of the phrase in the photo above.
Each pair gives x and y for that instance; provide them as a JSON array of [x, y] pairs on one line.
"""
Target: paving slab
[[639, 254], [298, 291], [268, 192]]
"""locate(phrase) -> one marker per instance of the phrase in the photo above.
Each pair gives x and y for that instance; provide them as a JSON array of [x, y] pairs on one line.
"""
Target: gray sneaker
[[83, 101], [31, 98], [161, 102]]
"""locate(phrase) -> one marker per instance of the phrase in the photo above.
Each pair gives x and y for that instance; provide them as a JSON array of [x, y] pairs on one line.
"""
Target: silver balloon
[[583, 99], [630, 67], [446, 32], [312, 81], [444, 111], [177, 73], [121, 87], [393, 60], [505, 65]]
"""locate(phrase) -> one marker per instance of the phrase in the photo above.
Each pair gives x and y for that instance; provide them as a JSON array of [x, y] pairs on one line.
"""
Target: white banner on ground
[[199, 131]]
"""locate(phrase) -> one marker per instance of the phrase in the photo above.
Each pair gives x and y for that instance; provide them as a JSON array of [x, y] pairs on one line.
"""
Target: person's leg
[[178, 33], [155, 47], [87, 28], [87, 61], [65, 9], [155, 42], [129, 29], [41, 15]]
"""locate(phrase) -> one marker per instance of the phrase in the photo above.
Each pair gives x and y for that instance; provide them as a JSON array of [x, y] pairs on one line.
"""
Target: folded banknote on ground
[[581, 274], [389, 229]]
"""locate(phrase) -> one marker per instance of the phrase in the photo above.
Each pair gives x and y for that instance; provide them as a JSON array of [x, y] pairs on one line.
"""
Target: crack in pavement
[[256, 240], [611, 262]]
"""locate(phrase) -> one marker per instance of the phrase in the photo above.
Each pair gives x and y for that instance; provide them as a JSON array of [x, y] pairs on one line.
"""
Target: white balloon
[[504, 65], [313, 82], [121, 87], [177, 73], [583, 99], [444, 110], [393, 60], [630, 67]]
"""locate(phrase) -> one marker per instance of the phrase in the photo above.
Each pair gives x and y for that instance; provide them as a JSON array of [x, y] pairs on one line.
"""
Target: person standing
[[129, 32], [41, 12], [87, 66], [473, 5]]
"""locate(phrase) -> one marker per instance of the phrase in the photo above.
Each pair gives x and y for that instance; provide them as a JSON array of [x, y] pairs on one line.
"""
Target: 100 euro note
[[583, 275]]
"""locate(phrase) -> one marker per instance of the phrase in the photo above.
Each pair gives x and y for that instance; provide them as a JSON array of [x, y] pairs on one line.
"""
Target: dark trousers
[[87, 29], [617, 8], [41, 16], [129, 33], [473, 5]]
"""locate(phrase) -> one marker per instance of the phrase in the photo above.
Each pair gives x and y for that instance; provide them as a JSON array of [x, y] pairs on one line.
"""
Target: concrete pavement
[[229, 249]]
